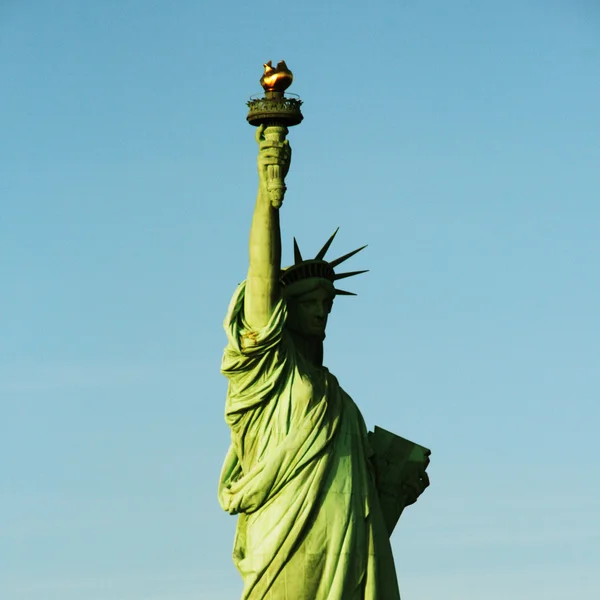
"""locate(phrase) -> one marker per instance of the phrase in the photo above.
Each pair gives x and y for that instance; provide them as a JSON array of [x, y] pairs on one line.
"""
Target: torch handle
[[275, 179]]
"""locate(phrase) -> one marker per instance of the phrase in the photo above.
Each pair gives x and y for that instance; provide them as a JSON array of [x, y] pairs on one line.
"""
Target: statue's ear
[[290, 302]]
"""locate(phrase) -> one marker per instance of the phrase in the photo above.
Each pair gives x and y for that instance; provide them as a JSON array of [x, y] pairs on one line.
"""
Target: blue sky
[[460, 140]]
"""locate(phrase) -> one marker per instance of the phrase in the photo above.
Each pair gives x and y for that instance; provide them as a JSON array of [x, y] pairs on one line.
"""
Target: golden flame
[[276, 79]]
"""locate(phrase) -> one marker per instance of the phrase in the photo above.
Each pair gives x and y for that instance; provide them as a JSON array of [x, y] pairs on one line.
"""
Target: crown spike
[[349, 274], [324, 249], [341, 259], [344, 293], [297, 255]]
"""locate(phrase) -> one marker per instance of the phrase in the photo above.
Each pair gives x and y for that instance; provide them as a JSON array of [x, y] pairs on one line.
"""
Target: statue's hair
[[305, 286]]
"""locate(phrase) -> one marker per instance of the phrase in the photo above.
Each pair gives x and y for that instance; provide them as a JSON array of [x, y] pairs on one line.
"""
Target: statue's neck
[[311, 348]]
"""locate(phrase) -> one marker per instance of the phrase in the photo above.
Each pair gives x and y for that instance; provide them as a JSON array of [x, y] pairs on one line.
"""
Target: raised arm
[[262, 284]]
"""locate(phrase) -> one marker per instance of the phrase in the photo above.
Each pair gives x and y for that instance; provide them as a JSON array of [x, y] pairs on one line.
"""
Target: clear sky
[[460, 140]]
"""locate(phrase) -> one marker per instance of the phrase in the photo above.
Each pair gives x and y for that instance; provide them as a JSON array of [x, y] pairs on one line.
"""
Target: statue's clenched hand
[[274, 157]]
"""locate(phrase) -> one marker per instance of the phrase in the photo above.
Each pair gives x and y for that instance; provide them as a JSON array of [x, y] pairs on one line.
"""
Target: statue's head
[[308, 287], [309, 305]]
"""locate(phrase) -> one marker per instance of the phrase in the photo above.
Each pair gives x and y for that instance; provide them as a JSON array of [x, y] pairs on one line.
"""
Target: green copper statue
[[317, 497]]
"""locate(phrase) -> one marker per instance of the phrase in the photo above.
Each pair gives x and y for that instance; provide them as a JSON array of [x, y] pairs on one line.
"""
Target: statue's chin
[[318, 337], [315, 335]]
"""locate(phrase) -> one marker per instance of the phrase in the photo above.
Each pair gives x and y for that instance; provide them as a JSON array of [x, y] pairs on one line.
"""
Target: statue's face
[[307, 314]]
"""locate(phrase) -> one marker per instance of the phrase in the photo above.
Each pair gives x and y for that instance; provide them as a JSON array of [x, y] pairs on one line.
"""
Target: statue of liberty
[[317, 497]]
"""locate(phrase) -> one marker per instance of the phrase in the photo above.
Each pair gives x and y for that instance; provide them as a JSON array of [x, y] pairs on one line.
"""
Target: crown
[[317, 267]]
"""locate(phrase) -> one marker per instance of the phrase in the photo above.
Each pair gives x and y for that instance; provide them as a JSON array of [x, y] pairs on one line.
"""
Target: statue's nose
[[320, 312]]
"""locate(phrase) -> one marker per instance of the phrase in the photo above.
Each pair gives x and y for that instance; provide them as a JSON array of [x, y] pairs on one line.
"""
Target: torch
[[276, 112]]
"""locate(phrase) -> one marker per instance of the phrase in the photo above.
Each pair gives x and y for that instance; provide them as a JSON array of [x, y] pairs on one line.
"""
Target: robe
[[298, 474]]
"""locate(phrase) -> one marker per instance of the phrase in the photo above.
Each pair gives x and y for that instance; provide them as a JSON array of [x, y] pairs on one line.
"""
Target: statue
[[317, 496]]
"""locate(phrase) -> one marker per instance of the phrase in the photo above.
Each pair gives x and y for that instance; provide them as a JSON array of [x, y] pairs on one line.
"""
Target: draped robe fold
[[298, 474]]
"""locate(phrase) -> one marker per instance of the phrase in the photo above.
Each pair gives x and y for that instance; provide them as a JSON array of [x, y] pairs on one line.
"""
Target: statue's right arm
[[262, 283]]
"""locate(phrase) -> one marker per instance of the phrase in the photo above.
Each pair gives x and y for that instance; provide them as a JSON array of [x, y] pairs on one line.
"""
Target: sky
[[460, 140]]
